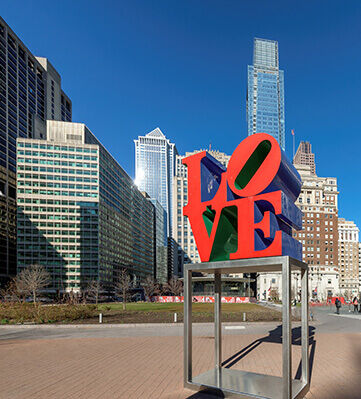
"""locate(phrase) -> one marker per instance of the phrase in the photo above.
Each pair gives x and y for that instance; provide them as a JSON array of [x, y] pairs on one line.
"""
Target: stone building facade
[[349, 261]]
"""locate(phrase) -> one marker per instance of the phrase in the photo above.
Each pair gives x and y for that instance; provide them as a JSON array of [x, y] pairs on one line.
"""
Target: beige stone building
[[318, 201], [319, 238], [323, 282], [182, 232], [359, 266], [349, 258]]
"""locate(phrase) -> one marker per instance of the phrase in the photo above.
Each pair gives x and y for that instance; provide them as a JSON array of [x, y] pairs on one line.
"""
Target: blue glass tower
[[265, 94], [155, 169]]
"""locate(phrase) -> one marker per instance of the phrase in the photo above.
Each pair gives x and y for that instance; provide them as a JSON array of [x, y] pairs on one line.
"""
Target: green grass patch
[[140, 312]]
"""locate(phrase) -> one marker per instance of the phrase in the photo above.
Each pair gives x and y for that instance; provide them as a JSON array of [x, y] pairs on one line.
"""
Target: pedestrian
[[355, 304], [338, 305]]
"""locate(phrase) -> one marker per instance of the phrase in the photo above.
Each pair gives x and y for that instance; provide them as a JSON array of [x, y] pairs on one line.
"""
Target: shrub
[[28, 312]]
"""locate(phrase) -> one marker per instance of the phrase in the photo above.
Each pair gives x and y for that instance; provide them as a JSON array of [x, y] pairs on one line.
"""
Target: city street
[[169, 162], [146, 361]]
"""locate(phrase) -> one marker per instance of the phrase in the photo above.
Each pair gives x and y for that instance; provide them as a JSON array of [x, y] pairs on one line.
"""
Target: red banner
[[201, 299]]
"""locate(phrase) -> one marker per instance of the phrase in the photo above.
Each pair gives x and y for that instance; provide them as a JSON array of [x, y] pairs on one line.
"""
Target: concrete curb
[[350, 316], [140, 325]]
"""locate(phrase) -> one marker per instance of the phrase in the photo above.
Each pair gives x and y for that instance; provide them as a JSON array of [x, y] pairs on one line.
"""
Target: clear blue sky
[[130, 66]]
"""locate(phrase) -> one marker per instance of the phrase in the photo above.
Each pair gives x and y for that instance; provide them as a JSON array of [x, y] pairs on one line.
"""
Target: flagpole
[[293, 137]]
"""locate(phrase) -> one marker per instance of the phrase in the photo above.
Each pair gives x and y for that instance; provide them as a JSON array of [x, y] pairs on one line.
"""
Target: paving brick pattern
[[152, 367]]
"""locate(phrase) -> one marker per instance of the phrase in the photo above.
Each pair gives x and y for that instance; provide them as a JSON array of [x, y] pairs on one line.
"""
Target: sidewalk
[[152, 367]]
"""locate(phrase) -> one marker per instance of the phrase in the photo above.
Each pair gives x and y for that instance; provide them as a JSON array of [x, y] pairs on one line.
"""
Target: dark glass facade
[[23, 111], [127, 229]]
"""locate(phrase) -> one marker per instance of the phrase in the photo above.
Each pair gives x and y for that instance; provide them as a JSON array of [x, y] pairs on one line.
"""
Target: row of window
[[57, 163], [82, 214], [62, 155], [63, 255], [30, 176], [64, 224], [33, 247], [24, 218], [57, 185], [63, 240], [85, 172], [57, 202], [90, 233], [62, 148], [58, 193]]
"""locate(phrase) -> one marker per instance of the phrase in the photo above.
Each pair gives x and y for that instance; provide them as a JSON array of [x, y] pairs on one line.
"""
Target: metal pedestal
[[240, 384]]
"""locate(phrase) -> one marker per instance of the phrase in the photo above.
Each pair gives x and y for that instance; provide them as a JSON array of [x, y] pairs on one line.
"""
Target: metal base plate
[[245, 385]]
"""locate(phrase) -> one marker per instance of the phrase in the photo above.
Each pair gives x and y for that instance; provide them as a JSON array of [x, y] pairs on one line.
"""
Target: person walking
[[355, 304], [338, 305]]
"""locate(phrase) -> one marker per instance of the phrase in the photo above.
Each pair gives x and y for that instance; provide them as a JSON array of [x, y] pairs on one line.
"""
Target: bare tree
[[151, 287], [123, 287], [32, 280], [174, 286], [11, 292], [93, 290], [72, 298]]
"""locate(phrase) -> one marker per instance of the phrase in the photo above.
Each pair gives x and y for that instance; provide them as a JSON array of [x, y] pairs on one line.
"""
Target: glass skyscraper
[[265, 93], [30, 93], [160, 242], [154, 168]]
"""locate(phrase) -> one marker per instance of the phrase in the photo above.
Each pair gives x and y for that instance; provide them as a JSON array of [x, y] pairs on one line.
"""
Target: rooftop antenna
[[293, 137], [210, 146]]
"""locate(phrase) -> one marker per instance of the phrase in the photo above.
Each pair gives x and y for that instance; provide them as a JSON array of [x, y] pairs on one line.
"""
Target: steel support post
[[304, 326], [217, 320], [286, 330], [187, 326]]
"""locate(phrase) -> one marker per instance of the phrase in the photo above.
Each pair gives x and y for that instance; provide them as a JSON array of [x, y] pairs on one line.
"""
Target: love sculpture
[[248, 210], [242, 220]]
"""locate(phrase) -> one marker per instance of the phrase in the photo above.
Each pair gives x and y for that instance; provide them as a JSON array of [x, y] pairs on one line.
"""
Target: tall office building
[[318, 201], [265, 93], [27, 98], [305, 156], [160, 243], [59, 106], [154, 168], [348, 255], [79, 214], [182, 232]]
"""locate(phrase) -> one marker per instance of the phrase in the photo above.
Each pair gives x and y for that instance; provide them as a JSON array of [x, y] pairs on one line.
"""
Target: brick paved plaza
[[151, 366]]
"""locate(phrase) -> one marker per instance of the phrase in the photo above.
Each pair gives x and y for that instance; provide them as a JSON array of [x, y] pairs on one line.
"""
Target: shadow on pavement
[[274, 336], [207, 394]]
